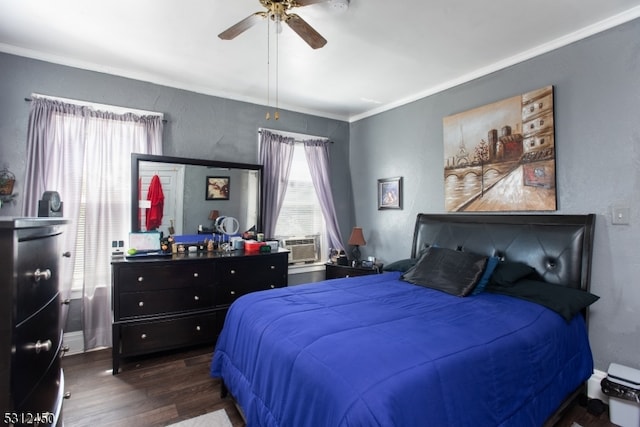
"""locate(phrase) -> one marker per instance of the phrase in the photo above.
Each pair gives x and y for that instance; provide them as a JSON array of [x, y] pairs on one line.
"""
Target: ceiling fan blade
[[306, 31], [235, 30], [307, 2]]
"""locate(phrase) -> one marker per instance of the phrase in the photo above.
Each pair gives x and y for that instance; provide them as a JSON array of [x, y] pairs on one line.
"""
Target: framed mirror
[[196, 193]]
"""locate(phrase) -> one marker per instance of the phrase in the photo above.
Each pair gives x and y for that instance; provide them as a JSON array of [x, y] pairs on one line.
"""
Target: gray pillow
[[401, 265], [454, 272]]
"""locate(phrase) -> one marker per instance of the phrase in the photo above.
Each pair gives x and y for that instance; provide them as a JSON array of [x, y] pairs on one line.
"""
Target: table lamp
[[356, 240]]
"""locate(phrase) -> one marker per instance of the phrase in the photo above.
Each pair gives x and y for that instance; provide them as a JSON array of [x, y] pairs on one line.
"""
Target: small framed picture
[[217, 188], [390, 193]]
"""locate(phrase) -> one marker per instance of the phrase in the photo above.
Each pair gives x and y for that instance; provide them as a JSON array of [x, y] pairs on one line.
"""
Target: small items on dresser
[[342, 258], [50, 205]]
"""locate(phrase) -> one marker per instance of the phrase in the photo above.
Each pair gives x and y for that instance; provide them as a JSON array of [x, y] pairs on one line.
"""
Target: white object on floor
[[623, 412], [217, 418]]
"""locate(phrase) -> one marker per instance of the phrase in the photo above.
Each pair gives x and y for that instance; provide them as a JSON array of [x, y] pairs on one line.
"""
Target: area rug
[[212, 419]]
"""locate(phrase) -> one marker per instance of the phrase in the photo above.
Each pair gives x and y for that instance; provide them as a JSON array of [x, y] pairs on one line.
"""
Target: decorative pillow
[[401, 265], [565, 301], [492, 263], [507, 273], [453, 272]]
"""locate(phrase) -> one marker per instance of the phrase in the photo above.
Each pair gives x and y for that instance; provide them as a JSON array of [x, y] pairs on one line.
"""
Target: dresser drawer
[[46, 398], [37, 342], [267, 271], [335, 271], [144, 337], [142, 277], [134, 304], [37, 274], [238, 277], [227, 293]]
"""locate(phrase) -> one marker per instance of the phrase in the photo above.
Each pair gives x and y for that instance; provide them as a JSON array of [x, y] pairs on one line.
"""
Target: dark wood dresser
[[166, 303], [31, 377], [335, 271]]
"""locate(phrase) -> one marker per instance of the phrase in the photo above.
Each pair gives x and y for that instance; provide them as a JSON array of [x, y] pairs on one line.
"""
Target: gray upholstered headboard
[[559, 247]]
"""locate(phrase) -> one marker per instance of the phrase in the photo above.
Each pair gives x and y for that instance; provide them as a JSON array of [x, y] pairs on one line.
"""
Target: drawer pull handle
[[273, 267], [195, 274], [65, 302], [273, 286], [196, 298], [232, 292], [198, 328], [140, 279], [64, 349], [42, 274], [141, 304], [233, 272], [143, 336], [66, 254], [40, 346]]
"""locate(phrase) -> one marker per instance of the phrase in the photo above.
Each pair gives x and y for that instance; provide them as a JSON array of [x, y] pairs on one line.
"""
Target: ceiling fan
[[278, 11]]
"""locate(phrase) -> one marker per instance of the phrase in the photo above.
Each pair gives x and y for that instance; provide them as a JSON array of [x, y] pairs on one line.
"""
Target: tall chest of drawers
[[167, 303], [31, 377]]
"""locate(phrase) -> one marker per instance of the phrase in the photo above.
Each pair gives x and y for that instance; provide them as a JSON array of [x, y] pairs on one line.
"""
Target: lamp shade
[[357, 239]]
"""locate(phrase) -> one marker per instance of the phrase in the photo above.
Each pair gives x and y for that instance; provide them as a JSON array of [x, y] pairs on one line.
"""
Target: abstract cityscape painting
[[501, 156]]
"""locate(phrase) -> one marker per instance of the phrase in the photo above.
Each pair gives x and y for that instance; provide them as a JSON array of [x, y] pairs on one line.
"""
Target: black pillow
[[565, 301], [453, 272], [401, 265], [508, 272]]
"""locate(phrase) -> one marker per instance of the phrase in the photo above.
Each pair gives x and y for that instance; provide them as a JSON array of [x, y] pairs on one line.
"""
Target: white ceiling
[[380, 54]]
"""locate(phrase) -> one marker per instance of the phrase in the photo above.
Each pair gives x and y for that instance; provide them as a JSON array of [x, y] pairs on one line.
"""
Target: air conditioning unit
[[302, 249]]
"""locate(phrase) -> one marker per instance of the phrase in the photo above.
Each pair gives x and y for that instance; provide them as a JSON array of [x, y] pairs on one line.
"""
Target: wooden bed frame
[[559, 247]]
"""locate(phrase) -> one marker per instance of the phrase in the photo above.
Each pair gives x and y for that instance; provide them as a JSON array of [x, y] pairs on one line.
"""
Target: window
[[88, 153], [301, 220]]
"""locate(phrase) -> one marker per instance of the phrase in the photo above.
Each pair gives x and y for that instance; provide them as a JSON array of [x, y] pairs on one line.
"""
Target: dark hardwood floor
[[166, 388], [154, 390]]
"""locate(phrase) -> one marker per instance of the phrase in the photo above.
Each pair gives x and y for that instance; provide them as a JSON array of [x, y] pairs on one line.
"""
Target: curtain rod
[[291, 134], [27, 99]]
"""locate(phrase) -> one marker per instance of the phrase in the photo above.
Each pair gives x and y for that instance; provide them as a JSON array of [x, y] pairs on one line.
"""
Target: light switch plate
[[620, 215]]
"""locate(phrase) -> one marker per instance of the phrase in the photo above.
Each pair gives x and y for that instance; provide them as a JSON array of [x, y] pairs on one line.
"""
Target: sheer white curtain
[[317, 153], [276, 153], [85, 155]]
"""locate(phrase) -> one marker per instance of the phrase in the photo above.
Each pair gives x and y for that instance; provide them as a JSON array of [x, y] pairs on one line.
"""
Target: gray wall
[[198, 126], [597, 125]]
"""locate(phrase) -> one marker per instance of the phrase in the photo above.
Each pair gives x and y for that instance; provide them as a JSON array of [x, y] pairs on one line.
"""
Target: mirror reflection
[[198, 194]]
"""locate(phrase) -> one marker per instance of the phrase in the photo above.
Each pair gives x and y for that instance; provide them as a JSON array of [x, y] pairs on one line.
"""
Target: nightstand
[[335, 271]]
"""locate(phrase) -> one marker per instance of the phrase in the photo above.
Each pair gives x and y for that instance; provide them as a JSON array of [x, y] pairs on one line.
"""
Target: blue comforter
[[378, 351]]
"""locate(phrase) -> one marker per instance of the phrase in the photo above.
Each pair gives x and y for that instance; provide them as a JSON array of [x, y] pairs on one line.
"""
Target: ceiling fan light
[[278, 21], [339, 5]]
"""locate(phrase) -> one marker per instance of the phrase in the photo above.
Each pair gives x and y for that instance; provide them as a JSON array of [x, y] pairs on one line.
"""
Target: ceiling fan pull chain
[[276, 115], [268, 115]]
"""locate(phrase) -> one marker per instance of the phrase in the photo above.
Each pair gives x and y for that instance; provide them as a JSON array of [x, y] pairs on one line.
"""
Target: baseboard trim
[[594, 391], [75, 342]]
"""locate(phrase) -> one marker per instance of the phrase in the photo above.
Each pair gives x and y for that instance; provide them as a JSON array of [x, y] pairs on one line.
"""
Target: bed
[[379, 350]]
